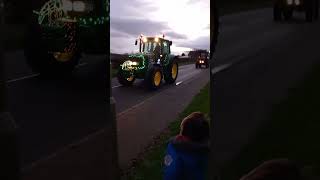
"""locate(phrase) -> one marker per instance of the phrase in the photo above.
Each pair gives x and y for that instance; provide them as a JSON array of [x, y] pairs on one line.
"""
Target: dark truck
[[285, 8], [200, 57], [61, 30], [153, 63]]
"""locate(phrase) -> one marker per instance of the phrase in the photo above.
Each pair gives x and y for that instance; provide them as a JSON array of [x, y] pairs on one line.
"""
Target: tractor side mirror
[[136, 43], [170, 43]]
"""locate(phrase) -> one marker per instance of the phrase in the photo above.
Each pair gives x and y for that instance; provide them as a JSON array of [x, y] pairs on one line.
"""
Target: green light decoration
[[139, 56], [52, 14]]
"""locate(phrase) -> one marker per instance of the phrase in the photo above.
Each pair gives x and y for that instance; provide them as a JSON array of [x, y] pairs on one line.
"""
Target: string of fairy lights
[[52, 14], [52, 11]]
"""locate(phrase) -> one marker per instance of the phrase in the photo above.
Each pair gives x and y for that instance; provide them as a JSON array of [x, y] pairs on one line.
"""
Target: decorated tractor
[[64, 29], [153, 63], [201, 58], [285, 8]]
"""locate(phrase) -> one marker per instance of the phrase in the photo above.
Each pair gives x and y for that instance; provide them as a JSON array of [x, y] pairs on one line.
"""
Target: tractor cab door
[[165, 50]]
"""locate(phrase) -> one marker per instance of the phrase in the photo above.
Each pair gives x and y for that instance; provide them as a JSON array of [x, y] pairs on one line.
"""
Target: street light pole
[[115, 169], [9, 163]]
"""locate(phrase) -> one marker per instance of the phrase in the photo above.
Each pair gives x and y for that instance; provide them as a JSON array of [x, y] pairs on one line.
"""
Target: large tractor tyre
[[44, 62], [154, 78], [277, 12], [288, 14], [172, 72], [309, 15], [309, 11], [125, 81], [197, 66], [316, 10], [207, 66]]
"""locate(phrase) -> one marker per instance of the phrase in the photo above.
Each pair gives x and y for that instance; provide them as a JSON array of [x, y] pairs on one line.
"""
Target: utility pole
[[9, 162], [214, 169], [115, 169]]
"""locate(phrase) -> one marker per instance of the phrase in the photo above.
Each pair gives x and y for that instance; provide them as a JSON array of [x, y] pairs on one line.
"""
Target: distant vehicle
[[61, 30], [201, 58], [153, 63], [285, 8]]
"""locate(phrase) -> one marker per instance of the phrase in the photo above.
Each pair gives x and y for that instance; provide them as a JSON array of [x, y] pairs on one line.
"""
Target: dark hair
[[196, 127], [277, 169]]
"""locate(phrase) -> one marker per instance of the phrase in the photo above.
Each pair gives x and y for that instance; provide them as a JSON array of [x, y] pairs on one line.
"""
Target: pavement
[[63, 124]]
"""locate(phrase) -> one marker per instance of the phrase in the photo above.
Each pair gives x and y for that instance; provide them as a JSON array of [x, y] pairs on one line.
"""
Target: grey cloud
[[135, 27], [199, 43], [131, 8], [175, 35]]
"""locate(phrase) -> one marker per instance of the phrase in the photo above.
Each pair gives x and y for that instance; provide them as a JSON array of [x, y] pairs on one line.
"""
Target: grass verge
[[150, 164], [292, 132]]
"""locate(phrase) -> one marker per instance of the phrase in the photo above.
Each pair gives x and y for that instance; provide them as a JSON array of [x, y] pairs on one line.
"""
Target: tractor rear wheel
[[309, 11], [276, 12]]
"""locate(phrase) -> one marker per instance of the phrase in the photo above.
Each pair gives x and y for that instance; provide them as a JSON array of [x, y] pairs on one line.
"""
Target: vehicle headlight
[[77, 6], [297, 2], [290, 2], [134, 63], [67, 5]]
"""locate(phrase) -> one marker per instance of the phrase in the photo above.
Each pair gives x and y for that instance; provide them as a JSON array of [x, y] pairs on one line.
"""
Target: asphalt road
[[274, 58], [52, 114]]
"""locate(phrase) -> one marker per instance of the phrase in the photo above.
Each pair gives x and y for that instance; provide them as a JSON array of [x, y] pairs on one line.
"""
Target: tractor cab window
[[166, 49], [147, 47], [203, 55]]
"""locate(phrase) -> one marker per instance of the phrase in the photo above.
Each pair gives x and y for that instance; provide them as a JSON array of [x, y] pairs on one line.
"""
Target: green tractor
[[153, 63], [285, 8], [64, 29]]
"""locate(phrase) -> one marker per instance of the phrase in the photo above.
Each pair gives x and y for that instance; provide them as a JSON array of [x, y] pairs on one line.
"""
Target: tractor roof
[[152, 37]]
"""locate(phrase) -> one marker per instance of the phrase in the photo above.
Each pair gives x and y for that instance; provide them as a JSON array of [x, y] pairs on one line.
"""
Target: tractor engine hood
[[134, 62]]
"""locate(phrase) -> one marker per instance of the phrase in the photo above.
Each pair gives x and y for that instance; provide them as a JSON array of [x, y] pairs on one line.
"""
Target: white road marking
[[35, 75], [82, 64], [22, 78], [116, 86], [177, 84], [221, 68]]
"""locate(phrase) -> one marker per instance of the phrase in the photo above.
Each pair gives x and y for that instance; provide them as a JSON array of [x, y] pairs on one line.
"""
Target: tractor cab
[[156, 47]]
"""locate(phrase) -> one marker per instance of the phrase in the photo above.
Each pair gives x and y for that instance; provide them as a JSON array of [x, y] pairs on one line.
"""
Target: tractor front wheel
[[124, 80], [172, 72], [41, 60]]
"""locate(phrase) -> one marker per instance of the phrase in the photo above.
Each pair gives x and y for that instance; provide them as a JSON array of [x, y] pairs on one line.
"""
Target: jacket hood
[[182, 144]]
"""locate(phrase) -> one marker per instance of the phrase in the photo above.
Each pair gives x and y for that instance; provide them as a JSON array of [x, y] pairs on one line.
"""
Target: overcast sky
[[185, 22]]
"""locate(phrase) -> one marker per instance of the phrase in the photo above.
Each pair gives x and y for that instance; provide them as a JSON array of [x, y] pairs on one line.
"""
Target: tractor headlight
[[77, 6], [290, 2], [297, 2], [134, 63], [67, 5]]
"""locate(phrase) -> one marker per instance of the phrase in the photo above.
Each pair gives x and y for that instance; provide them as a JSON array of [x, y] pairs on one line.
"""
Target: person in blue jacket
[[187, 153]]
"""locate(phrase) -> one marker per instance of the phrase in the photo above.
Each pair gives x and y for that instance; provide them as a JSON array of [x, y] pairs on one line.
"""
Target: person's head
[[278, 169], [195, 127]]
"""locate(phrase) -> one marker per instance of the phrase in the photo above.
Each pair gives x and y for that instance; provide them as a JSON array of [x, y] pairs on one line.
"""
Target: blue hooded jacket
[[185, 160]]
